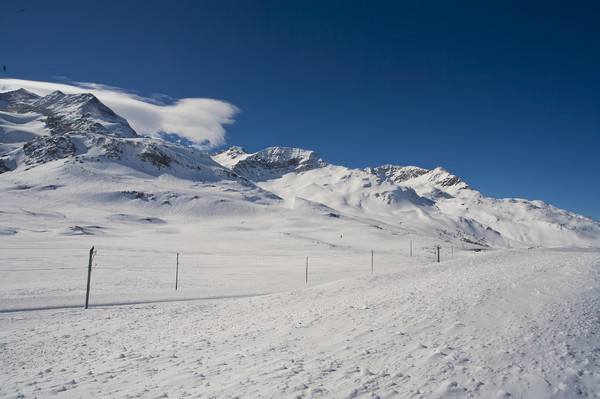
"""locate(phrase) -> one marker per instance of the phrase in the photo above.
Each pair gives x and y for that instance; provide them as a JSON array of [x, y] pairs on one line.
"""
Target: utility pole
[[438, 247], [89, 279]]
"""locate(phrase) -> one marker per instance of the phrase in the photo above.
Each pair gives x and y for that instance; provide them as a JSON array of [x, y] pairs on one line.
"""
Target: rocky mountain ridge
[[68, 113], [269, 163]]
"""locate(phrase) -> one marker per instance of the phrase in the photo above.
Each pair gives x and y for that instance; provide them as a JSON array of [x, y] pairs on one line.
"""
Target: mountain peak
[[283, 156], [17, 100], [47, 101], [269, 163], [21, 94], [443, 178], [397, 174], [67, 113], [55, 126], [234, 151]]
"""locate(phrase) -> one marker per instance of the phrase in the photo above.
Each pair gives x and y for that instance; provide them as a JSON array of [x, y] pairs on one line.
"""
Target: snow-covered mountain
[[71, 165], [425, 202], [69, 154], [78, 128]]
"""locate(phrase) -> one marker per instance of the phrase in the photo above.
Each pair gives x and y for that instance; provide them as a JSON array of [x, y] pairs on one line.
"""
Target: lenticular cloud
[[197, 120]]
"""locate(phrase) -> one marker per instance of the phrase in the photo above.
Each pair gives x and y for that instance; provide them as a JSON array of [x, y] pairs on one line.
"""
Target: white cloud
[[199, 120]]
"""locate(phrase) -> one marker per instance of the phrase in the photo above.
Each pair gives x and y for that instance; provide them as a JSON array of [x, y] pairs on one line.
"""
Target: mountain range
[[69, 165]]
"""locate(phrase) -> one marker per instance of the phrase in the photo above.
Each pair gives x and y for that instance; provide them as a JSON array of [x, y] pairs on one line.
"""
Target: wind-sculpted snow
[[16, 129]]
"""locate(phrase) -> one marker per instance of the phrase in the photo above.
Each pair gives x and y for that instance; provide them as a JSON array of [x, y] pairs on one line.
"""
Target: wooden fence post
[[307, 269], [177, 272], [87, 292]]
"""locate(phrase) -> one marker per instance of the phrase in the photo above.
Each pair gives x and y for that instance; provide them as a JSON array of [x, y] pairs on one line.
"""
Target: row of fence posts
[[93, 253]]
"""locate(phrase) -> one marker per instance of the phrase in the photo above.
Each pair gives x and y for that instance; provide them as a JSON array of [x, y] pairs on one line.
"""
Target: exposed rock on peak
[[68, 113], [284, 157], [398, 174], [270, 163], [233, 152], [18, 101], [440, 177]]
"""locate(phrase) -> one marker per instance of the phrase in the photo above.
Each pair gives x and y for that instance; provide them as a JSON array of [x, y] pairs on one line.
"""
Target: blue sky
[[506, 95]]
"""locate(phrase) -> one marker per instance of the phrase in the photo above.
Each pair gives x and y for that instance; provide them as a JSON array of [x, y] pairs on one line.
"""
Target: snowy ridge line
[[128, 303]]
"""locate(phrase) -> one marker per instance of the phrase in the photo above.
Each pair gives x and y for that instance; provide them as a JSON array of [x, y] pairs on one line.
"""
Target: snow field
[[53, 274], [521, 323]]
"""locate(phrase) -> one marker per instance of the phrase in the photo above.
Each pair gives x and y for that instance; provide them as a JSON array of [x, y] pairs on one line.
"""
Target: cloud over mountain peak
[[199, 121]]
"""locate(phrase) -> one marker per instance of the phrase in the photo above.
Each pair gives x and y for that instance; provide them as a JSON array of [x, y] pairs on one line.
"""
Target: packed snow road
[[523, 324]]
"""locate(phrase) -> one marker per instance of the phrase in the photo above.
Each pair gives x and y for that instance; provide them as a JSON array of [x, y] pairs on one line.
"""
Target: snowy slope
[[533, 222], [16, 129], [520, 324]]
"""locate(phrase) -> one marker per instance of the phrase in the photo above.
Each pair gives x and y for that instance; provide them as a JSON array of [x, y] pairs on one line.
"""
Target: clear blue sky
[[504, 94]]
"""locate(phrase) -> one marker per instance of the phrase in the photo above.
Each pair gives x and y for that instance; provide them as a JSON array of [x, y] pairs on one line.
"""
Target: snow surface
[[16, 129], [520, 323]]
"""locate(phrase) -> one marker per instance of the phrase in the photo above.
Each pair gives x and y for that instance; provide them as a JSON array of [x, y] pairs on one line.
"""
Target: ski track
[[519, 324]]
